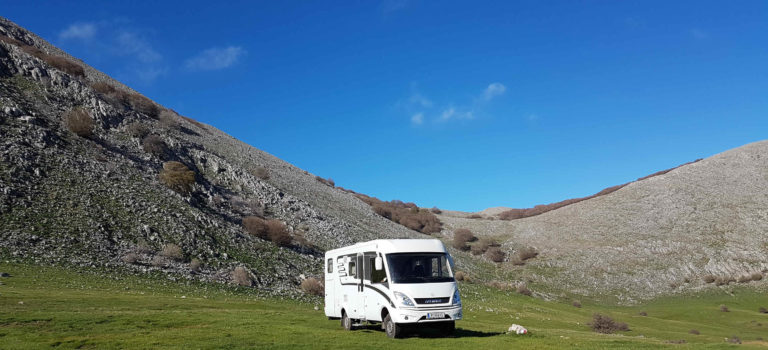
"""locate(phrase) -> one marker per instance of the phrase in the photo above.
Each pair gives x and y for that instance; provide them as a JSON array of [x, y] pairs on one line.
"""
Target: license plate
[[435, 315]]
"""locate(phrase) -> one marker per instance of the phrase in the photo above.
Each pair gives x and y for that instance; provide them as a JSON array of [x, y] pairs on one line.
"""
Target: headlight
[[403, 299], [456, 297]]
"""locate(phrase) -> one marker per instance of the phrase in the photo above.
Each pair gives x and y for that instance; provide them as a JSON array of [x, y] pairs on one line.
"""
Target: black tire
[[393, 329], [346, 322], [448, 328]]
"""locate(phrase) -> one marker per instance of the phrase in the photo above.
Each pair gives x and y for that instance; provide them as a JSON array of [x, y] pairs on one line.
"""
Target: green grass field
[[49, 307]]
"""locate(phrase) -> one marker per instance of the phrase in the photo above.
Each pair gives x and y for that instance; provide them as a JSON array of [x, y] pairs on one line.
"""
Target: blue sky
[[460, 105]]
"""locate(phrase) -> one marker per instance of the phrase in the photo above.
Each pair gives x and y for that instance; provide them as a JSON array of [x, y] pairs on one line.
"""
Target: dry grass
[[278, 233], [170, 120], [172, 251], [130, 258], [436, 210], [261, 173], [576, 303], [763, 310], [79, 121], [65, 65], [724, 308], [694, 332], [143, 105], [495, 254], [461, 237], [103, 88], [155, 146], [241, 276], [177, 177], [256, 226], [137, 130], [461, 276], [524, 254], [523, 289], [709, 278], [195, 265], [312, 286], [606, 325]]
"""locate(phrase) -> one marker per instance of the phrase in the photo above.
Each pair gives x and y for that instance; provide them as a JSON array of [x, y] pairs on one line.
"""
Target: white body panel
[[358, 293]]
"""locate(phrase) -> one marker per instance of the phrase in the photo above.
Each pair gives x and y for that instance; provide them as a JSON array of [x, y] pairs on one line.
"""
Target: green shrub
[[177, 177]]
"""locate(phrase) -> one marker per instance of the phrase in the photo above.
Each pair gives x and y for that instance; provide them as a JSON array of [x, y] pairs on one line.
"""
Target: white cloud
[[417, 118], [129, 43], [453, 113], [215, 58], [83, 31], [494, 90], [419, 100]]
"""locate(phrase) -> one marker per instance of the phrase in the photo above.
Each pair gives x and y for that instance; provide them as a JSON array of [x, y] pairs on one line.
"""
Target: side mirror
[[378, 264]]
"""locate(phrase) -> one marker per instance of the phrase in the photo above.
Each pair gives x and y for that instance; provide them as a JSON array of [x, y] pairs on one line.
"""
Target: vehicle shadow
[[428, 332]]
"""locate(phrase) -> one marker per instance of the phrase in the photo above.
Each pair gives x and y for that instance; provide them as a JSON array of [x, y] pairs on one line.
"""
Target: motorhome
[[395, 282]]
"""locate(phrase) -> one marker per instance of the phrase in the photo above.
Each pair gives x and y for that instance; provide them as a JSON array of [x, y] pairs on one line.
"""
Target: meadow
[[55, 307]]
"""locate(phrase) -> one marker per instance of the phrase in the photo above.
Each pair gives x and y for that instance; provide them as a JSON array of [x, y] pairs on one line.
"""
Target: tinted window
[[419, 268]]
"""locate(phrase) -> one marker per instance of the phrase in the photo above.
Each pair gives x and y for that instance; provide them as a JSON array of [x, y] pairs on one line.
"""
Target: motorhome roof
[[393, 246]]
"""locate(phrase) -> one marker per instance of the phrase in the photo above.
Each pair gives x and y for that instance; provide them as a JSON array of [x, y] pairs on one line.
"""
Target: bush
[[241, 276], [278, 232], [12, 41], [461, 237], [130, 258], [694, 332], [524, 254], [475, 216], [177, 177], [170, 120], [709, 278], [734, 340], [576, 303], [643, 313], [158, 261], [495, 254], [195, 265], [155, 146], [724, 308], [327, 181], [172, 251], [756, 276], [523, 289], [436, 210], [79, 122], [137, 130], [763, 310], [606, 325], [406, 214], [256, 226], [261, 173], [103, 88], [461, 276], [143, 105], [312, 286]]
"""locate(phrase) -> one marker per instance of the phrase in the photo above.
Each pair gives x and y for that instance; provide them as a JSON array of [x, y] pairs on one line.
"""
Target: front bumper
[[419, 315]]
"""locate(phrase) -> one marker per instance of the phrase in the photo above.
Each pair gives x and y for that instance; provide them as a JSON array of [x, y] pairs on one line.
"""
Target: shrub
[[172, 251], [709, 278], [576, 303], [523, 289], [744, 278], [643, 313], [436, 210], [155, 146], [694, 332], [724, 308], [475, 216], [65, 65], [763, 310], [734, 340], [177, 177], [241, 276], [461, 237], [137, 130], [170, 120], [256, 226], [312, 286], [130, 258], [524, 254], [606, 325], [261, 173], [278, 232], [143, 105], [11, 41], [79, 122], [460, 276], [495, 254], [103, 88], [327, 181], [158, 261], [195, 265], [406, 214], [756, 276]]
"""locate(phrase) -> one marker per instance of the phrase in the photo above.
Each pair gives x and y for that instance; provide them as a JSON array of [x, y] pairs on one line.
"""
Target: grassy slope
[[91, 309]]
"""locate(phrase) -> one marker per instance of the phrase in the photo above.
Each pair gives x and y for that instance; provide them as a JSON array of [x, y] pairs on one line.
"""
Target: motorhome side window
[[330, 265], [372, 274], [352, 268]]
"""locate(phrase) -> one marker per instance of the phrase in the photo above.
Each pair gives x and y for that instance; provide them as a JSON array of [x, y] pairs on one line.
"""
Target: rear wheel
[[393, 329], [346, 322]]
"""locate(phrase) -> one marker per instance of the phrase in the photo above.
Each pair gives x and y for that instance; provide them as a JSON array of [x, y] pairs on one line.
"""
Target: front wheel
[[346, 322], [393, 329]]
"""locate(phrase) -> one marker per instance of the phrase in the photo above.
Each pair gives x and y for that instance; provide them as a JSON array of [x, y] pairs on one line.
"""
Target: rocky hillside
[[701, 225], [97, 199]]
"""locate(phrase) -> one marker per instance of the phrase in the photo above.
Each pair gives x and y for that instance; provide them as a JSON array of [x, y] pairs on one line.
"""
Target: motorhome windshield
[[419, 268]]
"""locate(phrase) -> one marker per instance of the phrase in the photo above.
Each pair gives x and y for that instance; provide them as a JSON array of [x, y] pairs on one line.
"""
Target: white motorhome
[[396, 282]]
